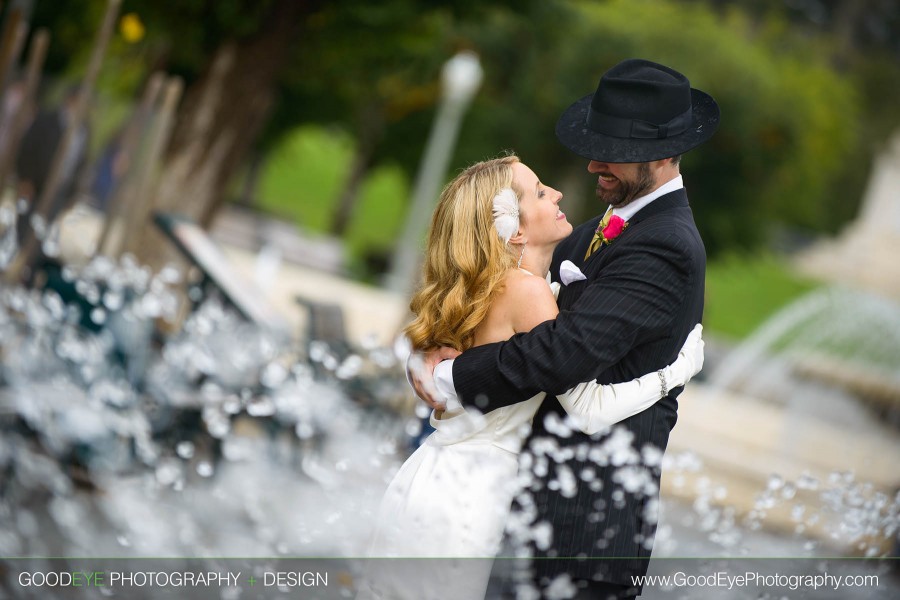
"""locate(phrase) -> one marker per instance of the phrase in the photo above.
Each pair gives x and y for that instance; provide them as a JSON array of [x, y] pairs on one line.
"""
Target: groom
[[644, 266]]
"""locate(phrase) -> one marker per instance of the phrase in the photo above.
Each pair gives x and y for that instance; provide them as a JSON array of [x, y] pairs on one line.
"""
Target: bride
[[488, 252]]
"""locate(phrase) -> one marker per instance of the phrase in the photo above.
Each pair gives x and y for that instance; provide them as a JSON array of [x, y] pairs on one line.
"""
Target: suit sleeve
[[594, 407], [634, 300]]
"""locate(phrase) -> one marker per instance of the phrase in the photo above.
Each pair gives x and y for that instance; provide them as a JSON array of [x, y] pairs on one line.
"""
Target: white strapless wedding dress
[[450, 500]]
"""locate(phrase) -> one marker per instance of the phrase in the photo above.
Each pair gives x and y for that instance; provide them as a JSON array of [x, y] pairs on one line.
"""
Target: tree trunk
[[370, 132], [250, 185], [221, 117], [847, 17]]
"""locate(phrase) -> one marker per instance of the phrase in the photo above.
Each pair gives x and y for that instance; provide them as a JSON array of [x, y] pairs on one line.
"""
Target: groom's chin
[[607, 199]]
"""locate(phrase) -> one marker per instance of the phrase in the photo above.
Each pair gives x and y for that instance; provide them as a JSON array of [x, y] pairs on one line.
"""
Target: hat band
[[635, 128]]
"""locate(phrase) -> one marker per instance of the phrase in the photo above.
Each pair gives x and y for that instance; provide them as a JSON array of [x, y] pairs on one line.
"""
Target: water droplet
[[273, 375], [261, 406], [113, 300], [205, 468], [422, 410], [304, 430], [38, 224], [170, 275], [168, 472], [151, 307], [318, 351], [9, 243], [652, 455], [50, 243], [413, 427], [555, 425], [788, 491], [185, 450], [350, 367], [807, 482]]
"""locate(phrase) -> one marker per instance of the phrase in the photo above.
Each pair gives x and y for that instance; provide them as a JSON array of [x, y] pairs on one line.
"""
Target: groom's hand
[[421, 374]]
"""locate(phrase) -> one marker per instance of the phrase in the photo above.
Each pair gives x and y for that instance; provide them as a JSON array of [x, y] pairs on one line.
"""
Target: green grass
[[303, 177], [742, 291]]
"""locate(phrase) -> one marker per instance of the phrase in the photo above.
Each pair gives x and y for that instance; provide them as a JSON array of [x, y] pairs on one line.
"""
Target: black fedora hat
[[641, 111]]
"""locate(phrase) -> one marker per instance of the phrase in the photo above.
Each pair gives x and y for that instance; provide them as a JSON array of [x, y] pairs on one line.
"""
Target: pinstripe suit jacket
[[642, 296]]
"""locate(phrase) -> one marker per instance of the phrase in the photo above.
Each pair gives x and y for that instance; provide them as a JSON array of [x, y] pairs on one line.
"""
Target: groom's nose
[[597, 167]]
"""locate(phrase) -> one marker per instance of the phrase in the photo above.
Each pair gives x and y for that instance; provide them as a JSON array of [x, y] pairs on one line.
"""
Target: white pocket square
[[568, 272]]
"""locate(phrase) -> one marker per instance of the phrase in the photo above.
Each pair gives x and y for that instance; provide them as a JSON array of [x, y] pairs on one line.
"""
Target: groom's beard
[[627, 191]]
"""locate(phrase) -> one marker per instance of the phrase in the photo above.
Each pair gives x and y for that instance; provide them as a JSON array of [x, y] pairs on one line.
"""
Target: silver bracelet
[[663, 387]]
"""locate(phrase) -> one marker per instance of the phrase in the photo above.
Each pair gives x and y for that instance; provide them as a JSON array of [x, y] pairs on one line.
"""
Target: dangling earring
[[519, 264]]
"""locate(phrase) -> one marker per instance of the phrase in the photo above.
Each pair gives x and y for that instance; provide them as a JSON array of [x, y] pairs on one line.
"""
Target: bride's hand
[[421, 375], [689, 361]]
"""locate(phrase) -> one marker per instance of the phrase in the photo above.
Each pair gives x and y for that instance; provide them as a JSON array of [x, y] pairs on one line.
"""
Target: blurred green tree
[[254, 68], [791, 128], [860, 40], [790, 121], [793, 147]]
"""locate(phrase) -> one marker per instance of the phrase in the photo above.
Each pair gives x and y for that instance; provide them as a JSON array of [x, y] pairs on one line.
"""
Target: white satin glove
[[689, 361]]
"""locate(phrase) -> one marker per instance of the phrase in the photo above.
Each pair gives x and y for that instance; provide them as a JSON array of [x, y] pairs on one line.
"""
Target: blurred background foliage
[[807, 90]]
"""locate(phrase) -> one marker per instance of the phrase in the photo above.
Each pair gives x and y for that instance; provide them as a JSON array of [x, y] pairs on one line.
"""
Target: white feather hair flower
[[506, 213]]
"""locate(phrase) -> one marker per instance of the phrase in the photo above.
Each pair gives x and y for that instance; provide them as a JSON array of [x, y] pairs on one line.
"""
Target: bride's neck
[[536, 260]]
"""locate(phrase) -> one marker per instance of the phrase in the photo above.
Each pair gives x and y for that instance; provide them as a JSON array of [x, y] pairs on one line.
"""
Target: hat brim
[[573, 132]]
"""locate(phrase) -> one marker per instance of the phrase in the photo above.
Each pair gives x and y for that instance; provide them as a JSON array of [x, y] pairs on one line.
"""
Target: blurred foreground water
[[123, 436]]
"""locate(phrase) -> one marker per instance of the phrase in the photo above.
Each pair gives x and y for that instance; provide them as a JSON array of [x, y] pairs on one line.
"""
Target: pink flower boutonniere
[[616, 226]]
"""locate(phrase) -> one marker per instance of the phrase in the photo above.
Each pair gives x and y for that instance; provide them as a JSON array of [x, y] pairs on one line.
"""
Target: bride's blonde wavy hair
[[465, 259]]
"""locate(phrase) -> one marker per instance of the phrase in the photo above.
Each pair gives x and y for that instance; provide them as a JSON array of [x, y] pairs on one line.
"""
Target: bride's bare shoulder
[[518, 281], [528, 299]]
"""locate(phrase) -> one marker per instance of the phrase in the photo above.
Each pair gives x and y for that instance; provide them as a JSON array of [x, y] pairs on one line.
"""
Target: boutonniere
[[613, 229]]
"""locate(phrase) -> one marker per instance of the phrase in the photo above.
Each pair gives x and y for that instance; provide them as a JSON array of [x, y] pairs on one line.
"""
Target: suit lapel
[[575, 251], [584, 241]]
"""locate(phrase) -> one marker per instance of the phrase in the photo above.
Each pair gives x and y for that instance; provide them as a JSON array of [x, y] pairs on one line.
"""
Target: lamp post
[[460, 78]]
